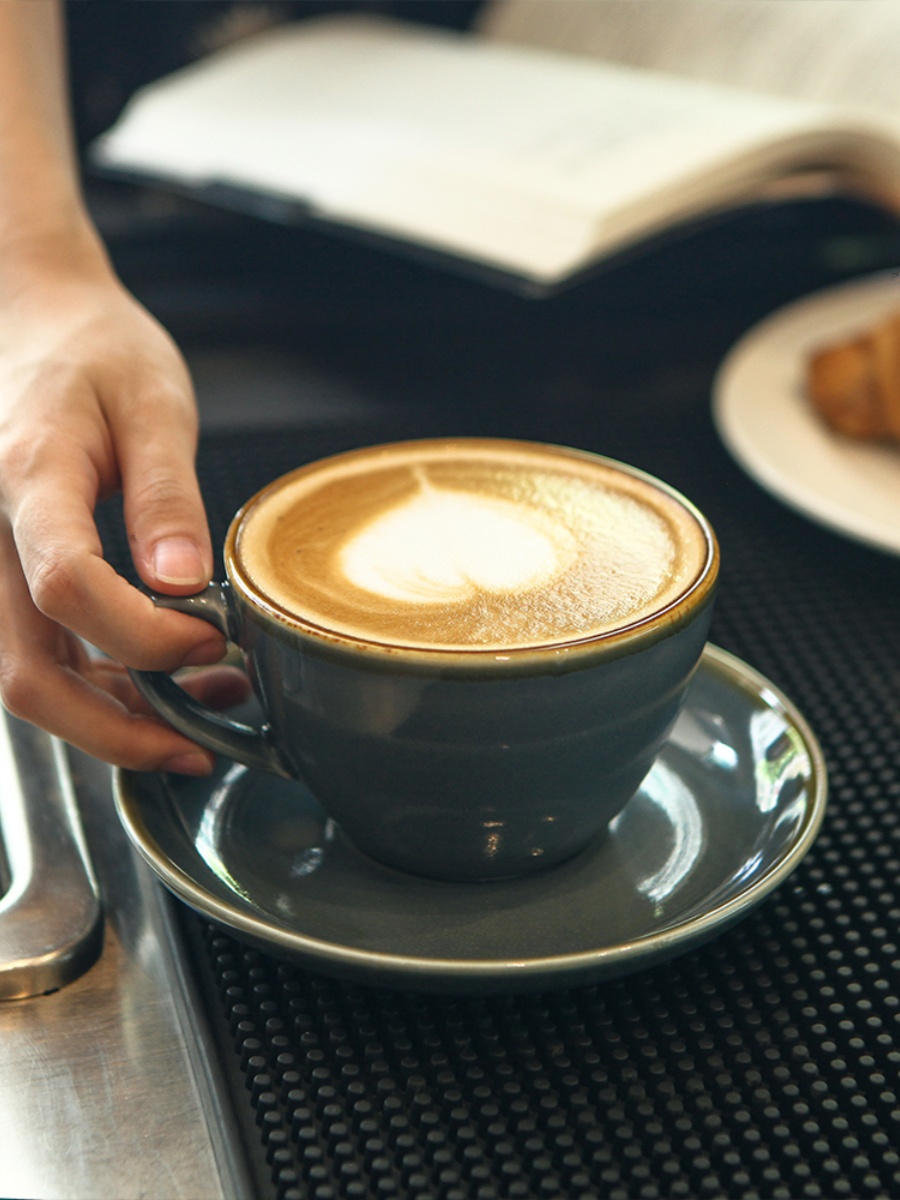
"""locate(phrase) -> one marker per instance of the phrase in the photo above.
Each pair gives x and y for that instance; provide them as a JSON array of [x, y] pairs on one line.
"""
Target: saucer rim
[[556, 970]]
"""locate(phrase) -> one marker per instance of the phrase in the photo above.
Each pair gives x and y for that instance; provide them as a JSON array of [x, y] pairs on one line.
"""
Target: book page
[[325, 104], [842, 52], [514, 157]]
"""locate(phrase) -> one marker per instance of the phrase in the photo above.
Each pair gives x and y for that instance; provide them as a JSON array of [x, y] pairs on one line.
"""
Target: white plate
[[766, 422]]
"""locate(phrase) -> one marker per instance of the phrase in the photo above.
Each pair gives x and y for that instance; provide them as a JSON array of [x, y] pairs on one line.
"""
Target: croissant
[[855, 384]]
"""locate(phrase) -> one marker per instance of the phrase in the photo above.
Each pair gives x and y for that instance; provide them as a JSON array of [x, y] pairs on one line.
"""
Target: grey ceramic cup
[[457, 765]]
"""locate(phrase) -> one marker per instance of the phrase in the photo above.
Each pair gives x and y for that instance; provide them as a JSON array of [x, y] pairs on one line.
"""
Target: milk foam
[[468, 545], [442, 546]]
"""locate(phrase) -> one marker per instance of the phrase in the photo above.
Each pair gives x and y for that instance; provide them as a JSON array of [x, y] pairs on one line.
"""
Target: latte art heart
[[442, 546]]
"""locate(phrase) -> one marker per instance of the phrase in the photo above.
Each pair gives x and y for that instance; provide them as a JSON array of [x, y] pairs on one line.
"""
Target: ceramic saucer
[[728, 811], [767, 423]]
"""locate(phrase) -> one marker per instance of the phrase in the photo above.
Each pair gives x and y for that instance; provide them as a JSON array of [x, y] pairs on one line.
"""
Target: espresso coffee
[[468, 545]]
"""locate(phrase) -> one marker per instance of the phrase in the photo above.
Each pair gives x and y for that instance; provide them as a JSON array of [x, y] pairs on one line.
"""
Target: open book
[[554, 136]]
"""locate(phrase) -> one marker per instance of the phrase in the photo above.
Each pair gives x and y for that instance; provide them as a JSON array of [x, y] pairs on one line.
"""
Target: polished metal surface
[[732, 805], [107, 1088], [51, 920]]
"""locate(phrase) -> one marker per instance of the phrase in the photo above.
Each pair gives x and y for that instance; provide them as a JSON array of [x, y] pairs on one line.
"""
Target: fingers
[[164, 510], [74, 704], [71, 584], [54, 462], [93, 705], [47, 677], [94, 396]]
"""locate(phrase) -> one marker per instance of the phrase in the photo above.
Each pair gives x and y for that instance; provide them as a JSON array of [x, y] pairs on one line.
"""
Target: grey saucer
[[730, 808]]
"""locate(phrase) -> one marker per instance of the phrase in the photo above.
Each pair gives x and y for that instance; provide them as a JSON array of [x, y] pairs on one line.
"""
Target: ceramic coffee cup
[[471, 650]]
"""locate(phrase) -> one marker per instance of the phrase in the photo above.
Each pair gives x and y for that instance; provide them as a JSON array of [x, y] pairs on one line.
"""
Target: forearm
[[94, 397], [43, 222]]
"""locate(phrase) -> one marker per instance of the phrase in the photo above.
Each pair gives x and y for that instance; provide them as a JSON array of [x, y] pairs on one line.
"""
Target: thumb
[[164, 511]]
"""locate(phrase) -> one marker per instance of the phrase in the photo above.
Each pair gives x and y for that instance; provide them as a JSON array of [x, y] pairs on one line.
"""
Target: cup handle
[[215, 731]]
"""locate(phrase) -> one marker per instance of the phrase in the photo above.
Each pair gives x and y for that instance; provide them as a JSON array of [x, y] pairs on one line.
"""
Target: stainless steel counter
[[106, 1089]]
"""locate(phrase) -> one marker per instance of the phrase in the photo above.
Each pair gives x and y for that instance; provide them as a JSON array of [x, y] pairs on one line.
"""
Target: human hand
[[94, 396]]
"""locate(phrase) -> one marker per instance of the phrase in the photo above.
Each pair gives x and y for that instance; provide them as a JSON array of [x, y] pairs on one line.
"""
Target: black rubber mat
[[762, 1065]]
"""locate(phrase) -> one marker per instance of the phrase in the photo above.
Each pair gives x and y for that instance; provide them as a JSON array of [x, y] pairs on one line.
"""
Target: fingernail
[[178, 560], [189, 763]]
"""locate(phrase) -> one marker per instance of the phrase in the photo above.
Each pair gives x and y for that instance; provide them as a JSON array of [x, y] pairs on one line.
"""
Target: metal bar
[[51, 916]]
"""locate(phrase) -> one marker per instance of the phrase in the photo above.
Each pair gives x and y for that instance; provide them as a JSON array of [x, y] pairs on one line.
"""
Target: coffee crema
[[468, 545]]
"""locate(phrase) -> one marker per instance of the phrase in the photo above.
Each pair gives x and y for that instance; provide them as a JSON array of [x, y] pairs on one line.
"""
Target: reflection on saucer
[[211, 836], [685, 834]]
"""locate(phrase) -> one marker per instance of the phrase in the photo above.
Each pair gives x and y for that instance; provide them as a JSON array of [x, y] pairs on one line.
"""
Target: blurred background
[[314, 325]]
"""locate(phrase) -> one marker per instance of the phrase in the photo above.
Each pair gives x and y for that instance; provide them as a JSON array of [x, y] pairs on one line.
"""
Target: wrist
[[48, 250]]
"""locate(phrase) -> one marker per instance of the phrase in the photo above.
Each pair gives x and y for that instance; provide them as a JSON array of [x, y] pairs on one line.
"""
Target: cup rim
[[609, 643]]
